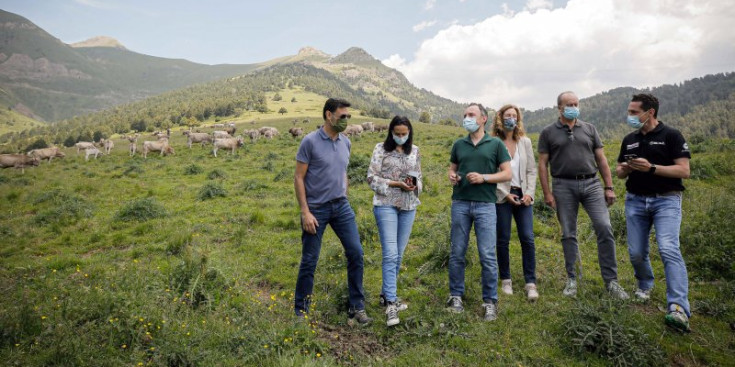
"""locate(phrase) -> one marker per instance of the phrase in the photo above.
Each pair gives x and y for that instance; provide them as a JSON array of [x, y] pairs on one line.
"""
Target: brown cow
[[18, 161], [46, 153]]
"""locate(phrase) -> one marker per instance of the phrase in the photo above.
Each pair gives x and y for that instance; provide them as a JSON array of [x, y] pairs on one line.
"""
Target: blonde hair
[[498, 129]]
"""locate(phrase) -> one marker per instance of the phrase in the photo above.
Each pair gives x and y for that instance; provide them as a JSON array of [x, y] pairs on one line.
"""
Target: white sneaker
[[643, 295], [391, 315], [506, 285], [571, 288], [531, 292]]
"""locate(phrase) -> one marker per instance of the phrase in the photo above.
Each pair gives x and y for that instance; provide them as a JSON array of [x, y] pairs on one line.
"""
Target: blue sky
[[237, 32], [495, 52]]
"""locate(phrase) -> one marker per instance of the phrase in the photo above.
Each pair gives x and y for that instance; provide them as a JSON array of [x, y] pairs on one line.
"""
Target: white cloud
[[588, 46], [532, 5], [423, 25], [394, 61], [429, 4]]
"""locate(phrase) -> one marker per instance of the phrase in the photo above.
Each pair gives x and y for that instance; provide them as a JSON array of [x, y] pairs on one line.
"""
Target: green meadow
[[191, 260]]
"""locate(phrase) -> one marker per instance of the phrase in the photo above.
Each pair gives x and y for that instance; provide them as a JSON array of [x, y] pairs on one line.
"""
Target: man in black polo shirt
[[575, 153], [655, 159]]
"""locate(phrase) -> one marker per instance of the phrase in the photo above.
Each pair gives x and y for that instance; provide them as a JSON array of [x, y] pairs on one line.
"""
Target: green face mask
[[340, 125]]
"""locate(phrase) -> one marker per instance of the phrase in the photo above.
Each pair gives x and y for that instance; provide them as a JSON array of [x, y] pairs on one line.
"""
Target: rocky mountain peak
[[99, 41]]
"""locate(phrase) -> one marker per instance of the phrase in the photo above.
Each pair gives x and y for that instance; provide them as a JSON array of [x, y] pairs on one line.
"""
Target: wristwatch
[[652, 170], [609, 188], [484, 178]]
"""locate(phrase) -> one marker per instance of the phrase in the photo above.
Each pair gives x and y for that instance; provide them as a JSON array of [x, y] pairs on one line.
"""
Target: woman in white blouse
[[395, 177], [515, 199]]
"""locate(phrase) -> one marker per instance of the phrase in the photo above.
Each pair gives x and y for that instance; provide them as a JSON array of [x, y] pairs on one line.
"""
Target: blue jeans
[[664, 213], [339, 215], [464, 213], [568, 194], [524, 223], [394, 227]]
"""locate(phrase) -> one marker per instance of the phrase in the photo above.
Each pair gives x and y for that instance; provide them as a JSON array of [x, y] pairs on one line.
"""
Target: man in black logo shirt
[[655, 159]]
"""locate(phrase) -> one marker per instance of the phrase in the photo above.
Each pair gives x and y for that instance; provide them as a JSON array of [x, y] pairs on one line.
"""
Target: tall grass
[[119, 262]]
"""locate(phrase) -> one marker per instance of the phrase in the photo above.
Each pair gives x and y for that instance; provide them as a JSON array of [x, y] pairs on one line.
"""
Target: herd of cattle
[[220, 139]]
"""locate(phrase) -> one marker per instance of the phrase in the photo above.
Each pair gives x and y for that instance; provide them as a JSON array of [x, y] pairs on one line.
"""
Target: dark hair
[[648, 101], [390, 145], [332, 105], [483, 111]]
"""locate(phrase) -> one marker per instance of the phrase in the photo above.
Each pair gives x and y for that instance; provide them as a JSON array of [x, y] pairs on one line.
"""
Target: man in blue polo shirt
[[321, 190], [655, 159], [478, 162]]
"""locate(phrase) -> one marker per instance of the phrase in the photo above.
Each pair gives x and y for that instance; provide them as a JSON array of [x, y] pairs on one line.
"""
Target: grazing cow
[[253, 134], [133, 139], [202, 138], [227, 143], [353, 130], [83, 145], [230, 130], [380, 127], [157, 146], [368, 126], [162, 136], [268, 132], [296, 131], [91, 151], [46, 153], [219, 134], [108, 145], [18, 161]]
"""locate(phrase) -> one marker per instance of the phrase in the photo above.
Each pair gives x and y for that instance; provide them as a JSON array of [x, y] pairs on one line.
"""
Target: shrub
[[193, 169], [63, 208], [605, 329], [141, 210], [357, 168], [250, 185], [707, 240], [133, 170], [193, 278], [216, 174], [211, 190], [284, 173], [268, 166]]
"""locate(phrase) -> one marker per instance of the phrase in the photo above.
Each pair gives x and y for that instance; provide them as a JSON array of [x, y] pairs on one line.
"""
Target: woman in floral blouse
[[395, 177]]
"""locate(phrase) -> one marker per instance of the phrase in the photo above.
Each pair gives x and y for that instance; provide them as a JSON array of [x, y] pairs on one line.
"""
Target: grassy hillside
[[700, 106], [11, 121], [191, 260]]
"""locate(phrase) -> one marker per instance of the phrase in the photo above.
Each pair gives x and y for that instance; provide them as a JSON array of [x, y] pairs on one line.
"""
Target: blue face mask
[[470, 124], [571, 113], [399, 140], [635, 121], [510, 123]]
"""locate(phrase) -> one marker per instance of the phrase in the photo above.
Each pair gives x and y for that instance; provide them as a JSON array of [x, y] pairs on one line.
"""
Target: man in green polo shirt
[[478, 162]]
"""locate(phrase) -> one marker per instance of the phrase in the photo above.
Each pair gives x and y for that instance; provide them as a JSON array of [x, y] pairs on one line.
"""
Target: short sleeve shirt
[[326, 175], [662, 145], [571, 152], [483, 158]]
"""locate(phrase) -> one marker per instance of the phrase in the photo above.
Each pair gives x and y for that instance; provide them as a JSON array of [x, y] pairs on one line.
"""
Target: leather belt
[[577, 177]]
